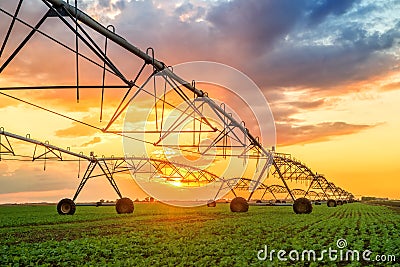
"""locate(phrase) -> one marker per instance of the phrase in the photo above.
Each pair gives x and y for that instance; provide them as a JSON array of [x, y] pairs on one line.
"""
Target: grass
[[160, 235]]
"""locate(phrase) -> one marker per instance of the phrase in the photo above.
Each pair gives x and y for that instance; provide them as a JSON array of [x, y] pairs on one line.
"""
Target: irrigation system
[[227, 136]]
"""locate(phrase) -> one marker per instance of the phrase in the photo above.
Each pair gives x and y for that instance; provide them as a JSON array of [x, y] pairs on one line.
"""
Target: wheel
[[345, 202], [211, 203], [317, 203], [339, 202], [124, 205], [278, 201], [66, 207], [302, 206], [331, 203], [258, 201], [239, 204]]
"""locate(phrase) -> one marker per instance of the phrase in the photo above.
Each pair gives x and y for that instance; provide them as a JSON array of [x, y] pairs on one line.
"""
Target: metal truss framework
[[108, 167], [229, 134], [74, 19], [328, 190], [153, 168], [294, 170]]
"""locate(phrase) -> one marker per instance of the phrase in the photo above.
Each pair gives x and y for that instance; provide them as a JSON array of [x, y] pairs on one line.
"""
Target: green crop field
[[160, 235]]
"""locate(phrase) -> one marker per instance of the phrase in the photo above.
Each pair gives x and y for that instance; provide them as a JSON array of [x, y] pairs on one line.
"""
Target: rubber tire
[[302, 206], [258, 201], [339, 202], [211, 203], [331, 203], [124, 205], [345, 202], [66, 207], [278, 201], [317, 203], [239, 204]]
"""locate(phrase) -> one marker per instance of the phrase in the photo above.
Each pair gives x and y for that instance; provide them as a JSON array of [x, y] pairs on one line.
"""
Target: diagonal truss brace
[[105, 171], [5, 145]]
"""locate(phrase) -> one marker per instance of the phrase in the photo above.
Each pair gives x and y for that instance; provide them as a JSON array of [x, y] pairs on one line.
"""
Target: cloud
[[247, 25], [318, 46], [286, 109], [103, 10], [79, 129], [35, 196], [32, 177], [276, 50], [325, 8], [326, 69], [390, 86], [289, 135], [95, 140], [189, 12], [307, 104]]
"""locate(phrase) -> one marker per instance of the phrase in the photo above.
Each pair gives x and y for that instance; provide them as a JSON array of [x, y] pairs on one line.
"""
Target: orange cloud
[[290, 135], [79, 129], [95, 140], [391, 86]]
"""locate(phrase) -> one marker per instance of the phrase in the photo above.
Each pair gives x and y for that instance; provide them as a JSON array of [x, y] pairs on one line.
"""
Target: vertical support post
[[283, 180], [77, 51], [104, 73], [265, 191], [109, 176], [265, 168], [312, 182], [323, 190], [85, 178]]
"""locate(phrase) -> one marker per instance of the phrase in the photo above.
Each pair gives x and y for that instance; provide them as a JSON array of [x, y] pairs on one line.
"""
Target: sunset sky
[[330, 71]]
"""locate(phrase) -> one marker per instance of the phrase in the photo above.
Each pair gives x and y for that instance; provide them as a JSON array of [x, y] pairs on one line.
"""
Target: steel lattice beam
[[285, 167]]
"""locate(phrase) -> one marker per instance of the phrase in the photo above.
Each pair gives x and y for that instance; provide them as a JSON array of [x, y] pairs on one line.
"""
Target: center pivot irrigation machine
[[200, 138]]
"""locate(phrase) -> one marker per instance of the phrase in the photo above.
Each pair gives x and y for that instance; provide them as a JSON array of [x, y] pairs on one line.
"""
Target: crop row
[[160, 235]]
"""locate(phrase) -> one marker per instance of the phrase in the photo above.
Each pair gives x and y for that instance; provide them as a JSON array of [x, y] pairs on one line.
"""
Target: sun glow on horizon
[[176, 183]]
